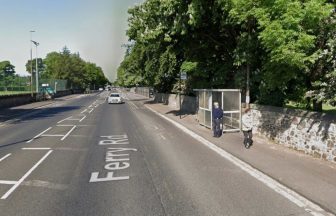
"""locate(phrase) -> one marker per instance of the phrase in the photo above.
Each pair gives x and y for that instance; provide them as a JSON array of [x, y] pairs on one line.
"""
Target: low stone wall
[[188, 104], [16, 100], [21, 99], [309, 132]]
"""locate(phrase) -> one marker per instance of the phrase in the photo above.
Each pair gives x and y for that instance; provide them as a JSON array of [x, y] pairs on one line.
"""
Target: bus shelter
[[229, 100]]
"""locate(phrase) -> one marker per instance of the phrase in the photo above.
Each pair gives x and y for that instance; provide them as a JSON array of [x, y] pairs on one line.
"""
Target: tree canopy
[[70, 66], [286, 47]]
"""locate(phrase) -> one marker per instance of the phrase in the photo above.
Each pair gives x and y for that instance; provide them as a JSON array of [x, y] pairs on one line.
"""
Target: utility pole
[[37, 84], [31, 63]]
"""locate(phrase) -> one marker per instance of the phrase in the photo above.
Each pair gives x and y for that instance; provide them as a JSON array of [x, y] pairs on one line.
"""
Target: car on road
[[115, 98]]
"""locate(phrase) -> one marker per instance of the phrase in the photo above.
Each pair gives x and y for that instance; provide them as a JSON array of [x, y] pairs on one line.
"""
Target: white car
[[115, 98]]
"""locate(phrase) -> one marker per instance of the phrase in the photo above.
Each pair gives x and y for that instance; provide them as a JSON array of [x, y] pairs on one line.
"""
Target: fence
[[18, 85]]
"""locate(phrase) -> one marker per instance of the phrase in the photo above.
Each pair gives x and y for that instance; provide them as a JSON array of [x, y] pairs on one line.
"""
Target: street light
[[37, 84], [31, 63]]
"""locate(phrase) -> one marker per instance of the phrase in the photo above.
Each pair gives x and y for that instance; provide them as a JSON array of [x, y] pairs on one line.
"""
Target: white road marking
[[74, 125], [39, 135], [4, 157], [35, 148], [91, 110], [64, 119], [45, 184], [82, 119], [8, 182], [52, 135], [289, 194], [84, 111], [66, 135], [163, 137], [133, 105], [26, 175]]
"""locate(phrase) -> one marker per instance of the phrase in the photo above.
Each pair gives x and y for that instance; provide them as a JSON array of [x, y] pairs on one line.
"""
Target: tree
[[7, 71]]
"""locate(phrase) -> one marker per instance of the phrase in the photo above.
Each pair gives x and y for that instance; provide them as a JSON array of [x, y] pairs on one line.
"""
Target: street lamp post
[[37, 84], [31, 63]]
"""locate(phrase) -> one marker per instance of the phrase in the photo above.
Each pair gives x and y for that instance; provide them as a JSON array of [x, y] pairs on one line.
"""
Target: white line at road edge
[[289, 194], [4, 157], [39, 134], [65, 136], [26, 175]]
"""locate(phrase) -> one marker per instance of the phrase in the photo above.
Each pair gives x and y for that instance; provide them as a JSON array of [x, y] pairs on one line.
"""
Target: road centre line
[[4, 157], [8, 182], [35, 148], [66, 135], [39, 135], [286, 192], [74, 125], [64, 119], [26, 175], [52, 135], [82, 119], [84, 111]]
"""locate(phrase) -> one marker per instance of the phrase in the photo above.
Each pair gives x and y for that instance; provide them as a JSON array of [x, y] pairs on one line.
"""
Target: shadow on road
[[19, 115]]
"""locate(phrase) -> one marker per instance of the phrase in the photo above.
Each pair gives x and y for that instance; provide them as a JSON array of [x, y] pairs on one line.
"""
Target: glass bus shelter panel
[[201, 95], [231, 101], [201, 116], [208, 121], [231, 121], [207, 100], [217, 97]]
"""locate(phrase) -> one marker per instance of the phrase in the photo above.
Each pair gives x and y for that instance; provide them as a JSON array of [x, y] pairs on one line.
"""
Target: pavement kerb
[[298, 199]]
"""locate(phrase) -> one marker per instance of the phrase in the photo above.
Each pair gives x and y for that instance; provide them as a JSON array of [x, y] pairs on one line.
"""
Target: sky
[[94, 28]]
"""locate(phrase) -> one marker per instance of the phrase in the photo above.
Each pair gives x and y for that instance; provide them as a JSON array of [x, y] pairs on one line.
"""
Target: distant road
[[86, 157]]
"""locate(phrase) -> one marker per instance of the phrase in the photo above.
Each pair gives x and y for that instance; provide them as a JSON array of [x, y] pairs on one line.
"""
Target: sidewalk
[[312, 178], [19, 111]]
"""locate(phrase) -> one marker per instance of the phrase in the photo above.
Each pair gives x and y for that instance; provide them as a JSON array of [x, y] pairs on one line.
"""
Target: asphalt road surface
[[85, 157]]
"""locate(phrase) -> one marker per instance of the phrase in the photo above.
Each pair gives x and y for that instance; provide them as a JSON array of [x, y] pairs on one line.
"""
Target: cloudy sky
[[94, 28]]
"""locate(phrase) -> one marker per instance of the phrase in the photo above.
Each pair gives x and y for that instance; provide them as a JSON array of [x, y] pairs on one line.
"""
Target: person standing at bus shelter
[[217, 119]]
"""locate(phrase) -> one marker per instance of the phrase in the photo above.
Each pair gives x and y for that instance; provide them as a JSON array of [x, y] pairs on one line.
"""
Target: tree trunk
[[317, 105]]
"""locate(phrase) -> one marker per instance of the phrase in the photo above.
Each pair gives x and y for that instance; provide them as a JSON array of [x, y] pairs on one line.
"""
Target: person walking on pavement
[[217, 117], [247, 124]]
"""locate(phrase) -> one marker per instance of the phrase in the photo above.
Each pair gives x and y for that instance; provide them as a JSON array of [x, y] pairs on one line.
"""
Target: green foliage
[[70, 66], [287, 47], [7, 71]]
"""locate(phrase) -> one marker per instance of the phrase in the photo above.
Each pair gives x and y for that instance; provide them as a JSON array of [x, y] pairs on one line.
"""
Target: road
[[86, 157]]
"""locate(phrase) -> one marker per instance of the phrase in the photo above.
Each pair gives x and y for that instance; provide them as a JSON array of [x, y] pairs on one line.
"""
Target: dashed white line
[[84, 111], [4, 157], [91, 110], [35, 148], [66, 135], [52, 135], [26, 175], [289, 194], [39, 135], [64, 119], [82, 119], [8, 182]]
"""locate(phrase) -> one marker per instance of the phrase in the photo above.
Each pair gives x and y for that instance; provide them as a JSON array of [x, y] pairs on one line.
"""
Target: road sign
[[183, 75]]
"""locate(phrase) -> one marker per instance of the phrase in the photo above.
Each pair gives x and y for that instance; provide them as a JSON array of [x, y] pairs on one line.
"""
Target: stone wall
[[21, 99], [188, 104], [16, 100], [309, 132]]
